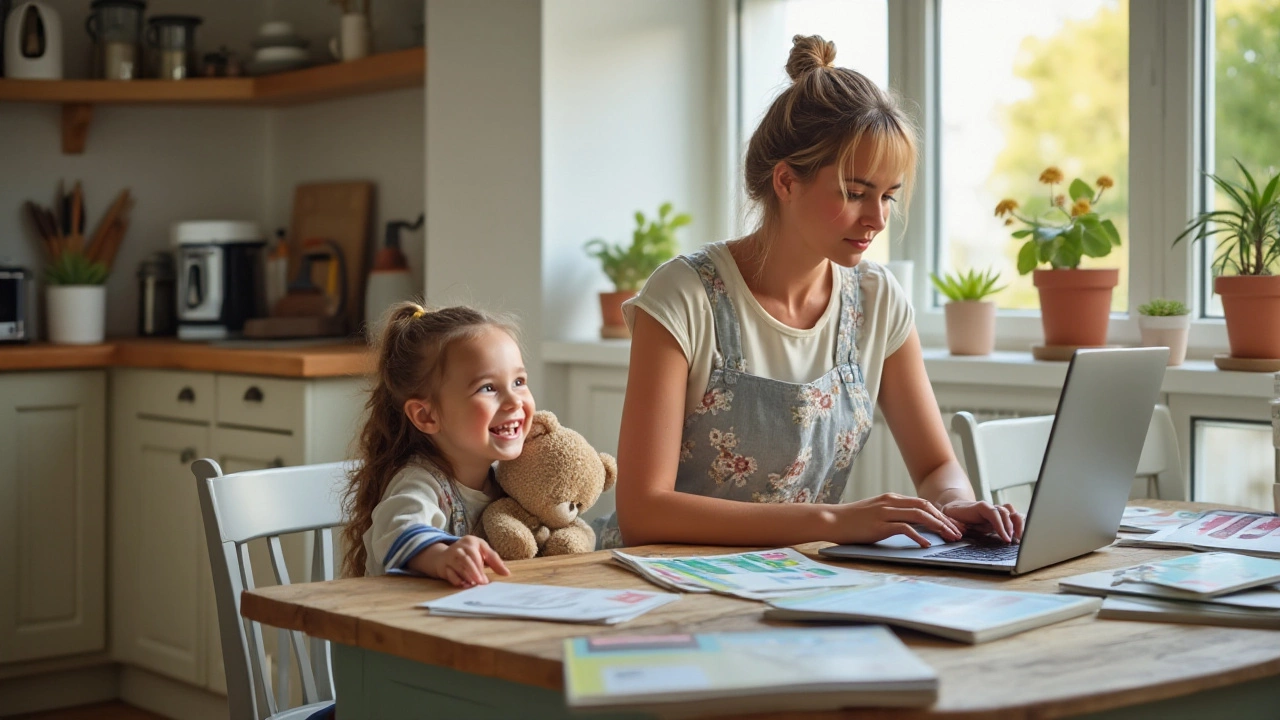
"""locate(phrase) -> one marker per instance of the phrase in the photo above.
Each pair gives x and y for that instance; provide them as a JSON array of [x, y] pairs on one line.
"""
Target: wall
[[630, 120], [186, 163]]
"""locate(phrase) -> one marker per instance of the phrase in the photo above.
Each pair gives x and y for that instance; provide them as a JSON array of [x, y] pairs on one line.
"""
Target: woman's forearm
[[945, 484], [676, 517]]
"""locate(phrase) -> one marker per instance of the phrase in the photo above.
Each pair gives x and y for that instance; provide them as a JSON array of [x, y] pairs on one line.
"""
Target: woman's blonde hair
[[821, 119], [412, 350]]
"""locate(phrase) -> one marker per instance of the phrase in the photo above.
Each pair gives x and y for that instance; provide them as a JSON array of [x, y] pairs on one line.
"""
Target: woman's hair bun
[[808, 53]]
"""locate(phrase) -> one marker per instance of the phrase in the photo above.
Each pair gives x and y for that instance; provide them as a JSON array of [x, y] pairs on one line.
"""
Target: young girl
[[451, 399], [756, 364]]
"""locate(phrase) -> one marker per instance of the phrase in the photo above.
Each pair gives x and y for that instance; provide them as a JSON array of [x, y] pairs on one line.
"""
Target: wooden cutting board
[[341, 212]]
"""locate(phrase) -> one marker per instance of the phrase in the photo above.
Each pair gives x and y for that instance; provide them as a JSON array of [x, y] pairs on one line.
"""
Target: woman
[[756, 363]]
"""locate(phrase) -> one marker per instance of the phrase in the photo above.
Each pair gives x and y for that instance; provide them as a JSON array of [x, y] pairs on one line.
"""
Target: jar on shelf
[[171, 40], [115, 29]]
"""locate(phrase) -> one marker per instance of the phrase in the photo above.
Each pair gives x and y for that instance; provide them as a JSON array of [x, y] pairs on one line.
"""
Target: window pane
[[860, 30], [1246, 102], [1048, 86], [1235, 463]]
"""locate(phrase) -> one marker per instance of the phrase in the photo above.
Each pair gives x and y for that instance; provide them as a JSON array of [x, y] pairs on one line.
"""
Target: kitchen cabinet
[[595, 410], [52, 514], [164, 617]]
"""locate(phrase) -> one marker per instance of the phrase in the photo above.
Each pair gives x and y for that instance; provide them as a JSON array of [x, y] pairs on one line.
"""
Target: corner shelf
[[376, 73]]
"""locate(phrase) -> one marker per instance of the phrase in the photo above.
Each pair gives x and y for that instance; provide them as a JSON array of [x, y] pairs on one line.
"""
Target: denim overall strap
[[724, 315]]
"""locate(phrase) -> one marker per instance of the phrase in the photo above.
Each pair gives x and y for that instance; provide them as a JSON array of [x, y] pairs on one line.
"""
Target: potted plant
[[75, 299], [971, 320], [653, 242], [1075, 303], [1248, 247], [1165, 323]]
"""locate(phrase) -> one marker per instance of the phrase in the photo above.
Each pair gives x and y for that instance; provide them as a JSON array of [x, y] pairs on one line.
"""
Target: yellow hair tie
[[419, 313]]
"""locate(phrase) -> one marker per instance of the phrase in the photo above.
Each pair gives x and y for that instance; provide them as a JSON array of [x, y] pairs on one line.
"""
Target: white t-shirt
[[415, 512], [675, 297]]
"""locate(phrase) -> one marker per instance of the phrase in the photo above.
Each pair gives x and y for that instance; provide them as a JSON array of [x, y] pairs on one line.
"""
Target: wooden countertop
[[308, 361], [1078, 666]]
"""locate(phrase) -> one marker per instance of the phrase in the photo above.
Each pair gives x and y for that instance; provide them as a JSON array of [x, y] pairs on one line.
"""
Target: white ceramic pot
[[77, 314], [971, 327], [1166, 331]]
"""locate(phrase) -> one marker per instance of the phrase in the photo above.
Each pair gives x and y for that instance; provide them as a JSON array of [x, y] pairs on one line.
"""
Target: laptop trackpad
[[904, 546]]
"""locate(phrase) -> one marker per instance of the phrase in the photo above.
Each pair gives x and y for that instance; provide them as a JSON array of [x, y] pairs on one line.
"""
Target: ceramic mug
[[352, 42]]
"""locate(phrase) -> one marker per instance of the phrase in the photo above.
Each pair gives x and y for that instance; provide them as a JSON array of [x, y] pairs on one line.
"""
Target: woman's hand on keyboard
[[1003, 521], [883, 516]]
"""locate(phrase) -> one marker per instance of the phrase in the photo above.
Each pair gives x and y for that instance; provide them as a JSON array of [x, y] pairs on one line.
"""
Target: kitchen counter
[[266, 358]]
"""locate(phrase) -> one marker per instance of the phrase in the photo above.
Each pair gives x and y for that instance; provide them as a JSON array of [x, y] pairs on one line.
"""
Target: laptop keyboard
[[983, 553]]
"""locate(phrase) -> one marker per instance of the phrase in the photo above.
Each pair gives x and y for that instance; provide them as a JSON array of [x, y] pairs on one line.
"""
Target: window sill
[[1001, 368]]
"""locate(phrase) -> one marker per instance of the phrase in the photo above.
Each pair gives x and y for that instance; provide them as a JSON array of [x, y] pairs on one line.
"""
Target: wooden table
[[393, 660]]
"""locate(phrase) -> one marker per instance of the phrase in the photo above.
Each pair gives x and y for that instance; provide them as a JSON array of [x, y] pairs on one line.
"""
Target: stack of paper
[[759, 575], [746, 672], [1250, 533], [1149, 520], [1204, 588], [549, 602], [964, 614]]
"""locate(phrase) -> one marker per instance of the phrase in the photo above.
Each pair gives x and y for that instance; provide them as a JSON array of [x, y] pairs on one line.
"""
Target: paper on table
[[1205, 574], [549, 602], [1149, 520], [757, 575], [1250, 533]]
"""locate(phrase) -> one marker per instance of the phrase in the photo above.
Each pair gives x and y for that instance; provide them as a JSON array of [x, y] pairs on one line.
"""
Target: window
[[1050, 86], [1243, 78], [859, 28]]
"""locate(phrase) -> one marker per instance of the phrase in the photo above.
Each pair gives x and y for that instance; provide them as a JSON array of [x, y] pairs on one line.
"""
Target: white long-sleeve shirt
[[416, 511]]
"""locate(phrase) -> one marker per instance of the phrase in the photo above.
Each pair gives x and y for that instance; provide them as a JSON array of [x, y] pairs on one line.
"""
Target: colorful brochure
[[1250, 533], [1149, 520], [1102, 583], [1202, 575], [959, 613], [1147, 609], [746, 672], [549, 602], [757, 575]]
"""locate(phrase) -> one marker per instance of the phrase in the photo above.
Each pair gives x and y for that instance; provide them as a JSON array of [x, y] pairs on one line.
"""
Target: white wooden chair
[[246, 506], [1006, 453]]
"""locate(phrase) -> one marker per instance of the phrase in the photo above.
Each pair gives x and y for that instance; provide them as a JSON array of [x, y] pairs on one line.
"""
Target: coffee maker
[[221, 280]]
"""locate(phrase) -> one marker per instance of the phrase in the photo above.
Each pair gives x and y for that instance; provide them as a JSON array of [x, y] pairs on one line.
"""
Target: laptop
[[1085, 477]]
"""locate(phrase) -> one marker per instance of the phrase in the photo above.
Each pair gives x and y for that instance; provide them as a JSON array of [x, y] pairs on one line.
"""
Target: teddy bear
[[557, 476]]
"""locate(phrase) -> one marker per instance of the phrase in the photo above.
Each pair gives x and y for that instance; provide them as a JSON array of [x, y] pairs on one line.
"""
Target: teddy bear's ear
[[610, 470], [544, 423]]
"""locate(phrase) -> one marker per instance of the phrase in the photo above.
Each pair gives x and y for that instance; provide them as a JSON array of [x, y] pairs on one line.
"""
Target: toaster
[[13, 304]]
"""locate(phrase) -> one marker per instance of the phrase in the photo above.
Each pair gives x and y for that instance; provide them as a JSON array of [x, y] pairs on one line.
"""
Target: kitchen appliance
[[157, 303], [172, 42], [220, 277], [33, 42], [116, 29], [390, 280], [14, 284]]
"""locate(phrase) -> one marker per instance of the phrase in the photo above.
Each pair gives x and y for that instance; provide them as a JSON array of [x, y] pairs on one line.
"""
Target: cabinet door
[[52, 514], [164, 551], [238, 451], [595, 410]]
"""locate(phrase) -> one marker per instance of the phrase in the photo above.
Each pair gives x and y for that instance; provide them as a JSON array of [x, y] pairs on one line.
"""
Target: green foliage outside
[[1246, 226], [653, 242], [1160, 307], [969, 285], [73, 268]]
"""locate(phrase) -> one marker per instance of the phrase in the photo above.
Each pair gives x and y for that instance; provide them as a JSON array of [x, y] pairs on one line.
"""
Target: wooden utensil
[[339, 212]]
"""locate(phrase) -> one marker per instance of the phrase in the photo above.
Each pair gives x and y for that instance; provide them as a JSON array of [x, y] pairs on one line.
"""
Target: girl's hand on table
[[462, 563]]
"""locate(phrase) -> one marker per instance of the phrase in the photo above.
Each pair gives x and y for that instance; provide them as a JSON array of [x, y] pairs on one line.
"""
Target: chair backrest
[[246, 506], [1007, 453]]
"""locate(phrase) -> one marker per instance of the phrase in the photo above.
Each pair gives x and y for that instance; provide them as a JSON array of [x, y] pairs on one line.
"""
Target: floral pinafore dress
[[754, 439]]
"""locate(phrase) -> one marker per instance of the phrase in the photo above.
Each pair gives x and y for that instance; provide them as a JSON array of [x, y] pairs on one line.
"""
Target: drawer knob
[[277, 463], [186, 394], [188, 456], [253, 394]]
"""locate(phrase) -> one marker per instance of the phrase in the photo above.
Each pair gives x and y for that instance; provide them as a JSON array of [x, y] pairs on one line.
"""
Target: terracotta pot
[[971, 327], [1252, 306], [1166, 331], [614, 326], [1075, 305]]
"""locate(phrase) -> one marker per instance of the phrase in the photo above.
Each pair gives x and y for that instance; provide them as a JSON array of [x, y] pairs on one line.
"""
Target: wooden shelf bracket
[[75, 127]]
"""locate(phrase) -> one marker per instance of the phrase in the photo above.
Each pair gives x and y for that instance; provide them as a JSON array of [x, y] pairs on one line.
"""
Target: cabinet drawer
[[257, 402], [181, 395]]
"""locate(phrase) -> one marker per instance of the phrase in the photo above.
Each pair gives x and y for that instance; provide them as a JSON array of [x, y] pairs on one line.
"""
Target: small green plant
[[1161, 307], [653, 242], [1063, 234], [74, 268], [971, 285], [1250, 230]]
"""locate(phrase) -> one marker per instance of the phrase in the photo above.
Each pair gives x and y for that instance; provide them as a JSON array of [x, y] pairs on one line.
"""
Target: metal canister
[[157, 303]]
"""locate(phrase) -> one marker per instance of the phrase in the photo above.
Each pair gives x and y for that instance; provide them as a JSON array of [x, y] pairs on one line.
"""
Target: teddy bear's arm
[[575, 538], [508, 528]]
